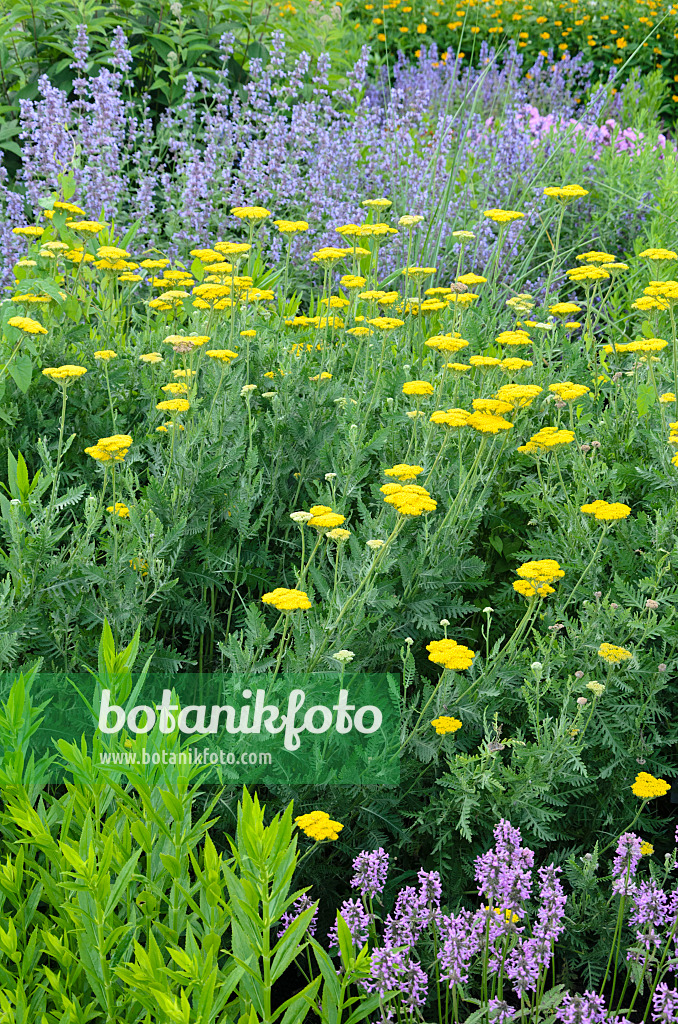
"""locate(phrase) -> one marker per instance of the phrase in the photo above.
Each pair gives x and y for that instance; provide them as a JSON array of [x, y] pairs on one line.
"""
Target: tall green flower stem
[[281, 646], [330, 630], [660, 969], [556, 246], [108, 389], [463, 487], [494, 264], [616, 939], [174, 431], [656, 391], [288, 253], [407, 740], [586, 570], [60, 449], [305, 568], [674, 347], [523, 627], [114, 516]]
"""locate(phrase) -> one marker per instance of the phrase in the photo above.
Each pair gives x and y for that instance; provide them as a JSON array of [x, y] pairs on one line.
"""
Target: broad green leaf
[[21, 371]]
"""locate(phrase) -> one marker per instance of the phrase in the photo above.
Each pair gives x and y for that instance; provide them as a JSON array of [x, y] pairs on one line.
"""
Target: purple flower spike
[[664, 1005], [371, 870], [298, 907], [586, 1009], [626, 863], [358, 921]]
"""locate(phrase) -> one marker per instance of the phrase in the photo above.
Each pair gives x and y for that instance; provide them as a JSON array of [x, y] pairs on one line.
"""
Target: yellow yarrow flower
[[417, 387], [565, 192], [64, 374], [543, 570], [174, 405], [486, 423], [285, 600], [647, 786], [318, 825], [120, 510], [27, 325], [250, 212], [444, 724], [451, 417], [568, 392], [403, 472], [503, 216], [659, 254], [597, 257], [408, 499], [450, 654], [605, 510], [612, 654]]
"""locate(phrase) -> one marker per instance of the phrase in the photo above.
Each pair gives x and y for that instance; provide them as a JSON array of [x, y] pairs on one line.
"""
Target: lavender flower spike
[[370, 872]]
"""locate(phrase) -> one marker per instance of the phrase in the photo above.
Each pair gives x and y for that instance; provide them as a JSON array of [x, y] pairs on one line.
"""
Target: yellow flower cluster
[[285, 600], [446, 343], [491, 405], [417, 387], [565, 192], [250, 212], [290, 227], [174, 405], [659, 254], [568, 392], [605, 510], [64, 374], [547, 437], [486, 423], [513, 338], [450, 654], [451, 417], [519, 395], [403, 472], [27, 325], [120, 509], [536, 577], [444, 724], [545, 570], [323, 518], [612, 654], [113, 448], [647, 786], [597, 257], [587, 274], [503, 216], [318, 825], [564, 308], [408, 499]]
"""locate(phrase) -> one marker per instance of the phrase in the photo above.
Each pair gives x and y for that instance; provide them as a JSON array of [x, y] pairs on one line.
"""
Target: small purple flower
[[358, 921], [392, 969], [649, 915], [501, 1012], [664, 1005], [122, 56], [586, 1009], [80, 49], [371, 870], [504, 874], [461, 936], [298, 907], [626, 863]]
